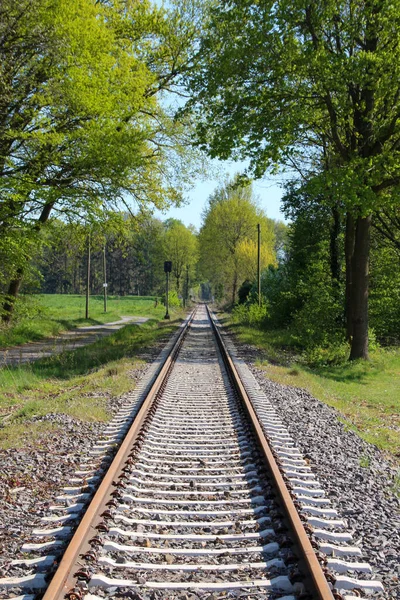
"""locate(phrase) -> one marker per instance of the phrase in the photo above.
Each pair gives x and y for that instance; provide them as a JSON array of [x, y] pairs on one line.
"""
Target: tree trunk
[[12, 293], [15, 284], [359, 289], [349, 251], [234, 288], [334, 245]]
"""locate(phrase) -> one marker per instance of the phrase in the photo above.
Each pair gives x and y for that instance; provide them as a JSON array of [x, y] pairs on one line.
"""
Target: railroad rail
[[206, 493]]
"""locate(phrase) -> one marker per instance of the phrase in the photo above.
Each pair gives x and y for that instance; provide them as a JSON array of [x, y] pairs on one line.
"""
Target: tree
[[81, 125], [287, 82], [180, 247], [228, 251], [134, 255]]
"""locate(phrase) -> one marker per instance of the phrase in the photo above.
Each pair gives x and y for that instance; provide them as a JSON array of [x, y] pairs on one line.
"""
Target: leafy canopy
[[295, 83], [228, 237]]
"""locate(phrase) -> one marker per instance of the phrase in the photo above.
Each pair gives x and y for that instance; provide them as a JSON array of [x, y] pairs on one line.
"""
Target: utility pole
[[105, 279], [259, 263], [187, 284], [167, 269], [87, 279]]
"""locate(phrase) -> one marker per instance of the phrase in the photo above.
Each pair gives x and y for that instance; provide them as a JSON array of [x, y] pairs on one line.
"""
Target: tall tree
[[180, 247], [228, 237], [81, 125], [279, 82]]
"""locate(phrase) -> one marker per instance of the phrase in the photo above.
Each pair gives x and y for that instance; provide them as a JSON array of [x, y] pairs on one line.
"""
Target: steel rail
[[63, 580], [320, 583]]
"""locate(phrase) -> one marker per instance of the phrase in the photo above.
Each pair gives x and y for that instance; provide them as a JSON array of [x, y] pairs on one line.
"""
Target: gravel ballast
[[356, 475], [32, 476], [358, 478]]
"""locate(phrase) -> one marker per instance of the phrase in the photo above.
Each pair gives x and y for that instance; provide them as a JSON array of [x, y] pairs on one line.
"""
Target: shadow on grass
[[70, 324], [88, 322], [279, 348], [126, 342], [348, 372]]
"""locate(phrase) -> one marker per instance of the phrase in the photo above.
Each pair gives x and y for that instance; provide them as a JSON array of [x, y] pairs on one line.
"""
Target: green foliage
[[309, 87], [277, 292], [385, 293], [83, 126], [301, 293], [135, 250], [332, 352], [180, 246], [41, 316], [228, 238], [250, 314], [319, 321], [244, 291], [173, 299], [304, 293], [305, 78]]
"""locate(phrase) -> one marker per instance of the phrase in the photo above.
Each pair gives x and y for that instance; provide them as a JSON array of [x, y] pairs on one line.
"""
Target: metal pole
[[259, 263], [187, 283], [105, 279], [87, 280], [166, 298]]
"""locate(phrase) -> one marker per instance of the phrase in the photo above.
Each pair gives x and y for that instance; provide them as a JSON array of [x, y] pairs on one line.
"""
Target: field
[[367, 394], [45, 315], [82, 382]]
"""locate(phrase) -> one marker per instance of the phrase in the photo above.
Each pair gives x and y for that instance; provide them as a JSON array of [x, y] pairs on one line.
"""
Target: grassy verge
[[45, 315], [79, 383], [367, 394]]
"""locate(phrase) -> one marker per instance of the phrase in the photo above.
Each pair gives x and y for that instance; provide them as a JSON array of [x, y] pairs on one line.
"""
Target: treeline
[[133, 256], [303, 295], [213, 262], [218, 258]]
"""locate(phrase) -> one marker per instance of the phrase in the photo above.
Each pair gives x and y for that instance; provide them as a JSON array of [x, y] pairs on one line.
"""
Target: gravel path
[[69, 340], [359, 478]]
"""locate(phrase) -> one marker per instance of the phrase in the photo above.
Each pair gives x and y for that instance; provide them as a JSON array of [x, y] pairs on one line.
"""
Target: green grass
[[44, 315], [367, 394], [79, 383]]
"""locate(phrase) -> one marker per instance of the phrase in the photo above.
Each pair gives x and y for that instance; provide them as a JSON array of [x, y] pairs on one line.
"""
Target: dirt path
[[69, 340]]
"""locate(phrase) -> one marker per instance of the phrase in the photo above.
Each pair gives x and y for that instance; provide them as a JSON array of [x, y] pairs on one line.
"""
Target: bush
[[173, 299], [384, 297], [250, 313], [278, 293], [333, 353], [319, 322]]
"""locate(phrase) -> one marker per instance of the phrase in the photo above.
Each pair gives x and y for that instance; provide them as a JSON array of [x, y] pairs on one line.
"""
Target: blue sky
[[268, 191]]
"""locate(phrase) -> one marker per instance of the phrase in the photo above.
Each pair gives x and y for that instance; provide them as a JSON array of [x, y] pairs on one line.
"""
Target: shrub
[[250, 314], [173, 299]]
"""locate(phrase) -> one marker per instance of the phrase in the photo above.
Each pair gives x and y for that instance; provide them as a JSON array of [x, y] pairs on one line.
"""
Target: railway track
[[194, 502]]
